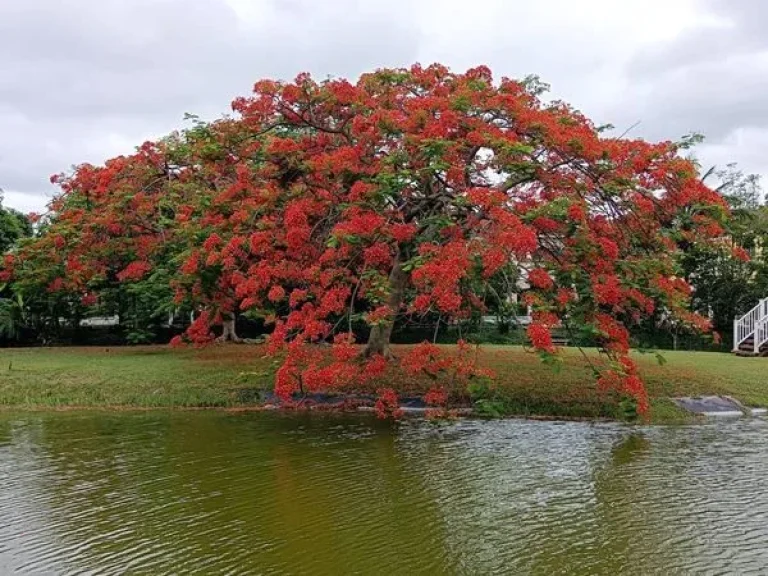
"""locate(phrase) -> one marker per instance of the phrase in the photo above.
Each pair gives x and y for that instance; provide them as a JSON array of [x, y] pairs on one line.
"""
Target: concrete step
[[748, 350]]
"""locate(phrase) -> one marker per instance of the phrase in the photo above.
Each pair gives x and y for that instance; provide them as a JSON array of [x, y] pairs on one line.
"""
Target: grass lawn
[[232, 376]]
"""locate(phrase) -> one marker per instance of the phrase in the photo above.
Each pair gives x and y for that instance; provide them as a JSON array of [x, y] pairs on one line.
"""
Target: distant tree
[[742, 191], [727, 280], [13, 227]]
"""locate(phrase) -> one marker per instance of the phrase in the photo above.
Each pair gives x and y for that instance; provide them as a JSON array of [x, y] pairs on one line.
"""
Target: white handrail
[[749, 324], [761, 335]]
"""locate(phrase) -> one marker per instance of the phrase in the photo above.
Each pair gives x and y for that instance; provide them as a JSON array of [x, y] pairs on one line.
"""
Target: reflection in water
[[630, 449], [216, 493]]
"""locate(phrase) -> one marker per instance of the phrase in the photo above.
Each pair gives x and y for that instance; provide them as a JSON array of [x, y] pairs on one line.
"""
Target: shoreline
[[455, 413], [237, 378]]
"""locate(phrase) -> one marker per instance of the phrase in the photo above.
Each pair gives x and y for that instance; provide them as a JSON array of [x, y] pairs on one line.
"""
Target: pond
[[218, 493]]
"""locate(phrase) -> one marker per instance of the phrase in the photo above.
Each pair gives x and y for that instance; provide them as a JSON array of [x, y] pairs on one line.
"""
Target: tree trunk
[[378, 340], [228, 330]]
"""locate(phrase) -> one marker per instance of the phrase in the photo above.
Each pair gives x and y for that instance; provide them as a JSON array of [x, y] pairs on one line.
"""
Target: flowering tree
[[413, 191]]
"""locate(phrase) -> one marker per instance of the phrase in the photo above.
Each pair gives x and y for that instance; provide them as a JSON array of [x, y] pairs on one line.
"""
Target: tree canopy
[[726, 284], [13, 227], [322, 204]]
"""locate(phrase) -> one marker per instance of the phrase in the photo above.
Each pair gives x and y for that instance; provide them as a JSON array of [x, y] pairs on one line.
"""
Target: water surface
[[216, 493]]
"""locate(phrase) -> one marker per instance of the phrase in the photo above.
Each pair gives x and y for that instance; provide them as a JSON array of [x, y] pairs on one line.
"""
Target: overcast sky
[[84, 80]]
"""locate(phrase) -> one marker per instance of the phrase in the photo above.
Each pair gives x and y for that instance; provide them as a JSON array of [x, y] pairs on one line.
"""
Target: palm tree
[[12, 316]]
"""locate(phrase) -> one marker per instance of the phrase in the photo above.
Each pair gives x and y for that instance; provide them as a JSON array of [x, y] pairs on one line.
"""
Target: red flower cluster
[[626, 380], [540, 278], [436, 397], [387, 405], [540, 337], [134, 271]]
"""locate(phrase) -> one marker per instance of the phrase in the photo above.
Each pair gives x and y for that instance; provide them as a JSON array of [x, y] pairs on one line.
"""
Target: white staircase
[[750, 332]]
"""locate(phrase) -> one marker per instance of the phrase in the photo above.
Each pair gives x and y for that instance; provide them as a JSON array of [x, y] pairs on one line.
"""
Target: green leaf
[[552, 360]]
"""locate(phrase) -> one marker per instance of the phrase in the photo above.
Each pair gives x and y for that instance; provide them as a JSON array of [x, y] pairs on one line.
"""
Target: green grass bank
[[233, 377]]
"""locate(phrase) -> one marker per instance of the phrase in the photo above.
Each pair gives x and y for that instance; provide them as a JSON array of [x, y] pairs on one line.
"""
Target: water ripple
[[268, 494]]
